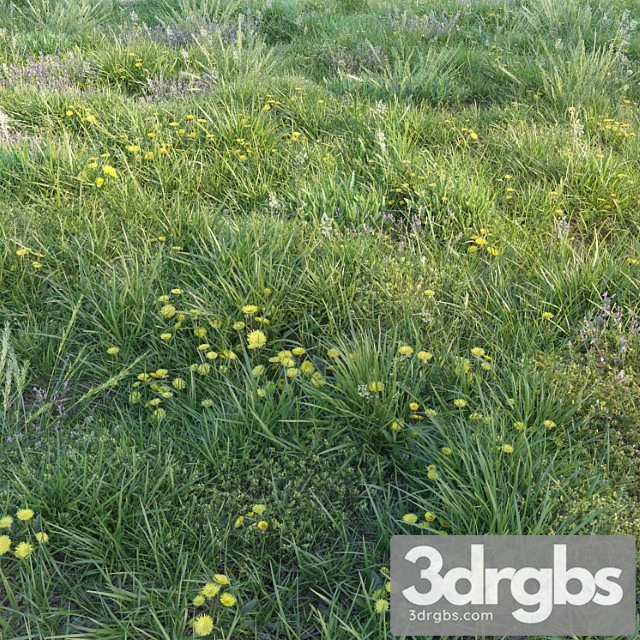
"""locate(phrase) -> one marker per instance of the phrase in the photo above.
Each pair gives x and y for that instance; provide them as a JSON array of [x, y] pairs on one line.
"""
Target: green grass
[[370, 175]]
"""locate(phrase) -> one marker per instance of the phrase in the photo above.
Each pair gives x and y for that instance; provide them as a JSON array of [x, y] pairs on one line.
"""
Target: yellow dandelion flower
[[298, 351], [432, 474], [23, 550], [414, 406], [547, 315], [478, 351], [109, 171], [429, 293], [239, 522], [207, 404], [221, 578], [446, 451], [42, 537], [376, 387], [405, 350], [168, 311], [333, 353], [307, 367], [198, 601], [203, 369], [6, 522], [258, 508], [25, 514], [317, 379], [134, 397], [396, 425], [5, 544], [381, 605], [519, 426], [23, 252], [203, 625], [507, 448], [256, 339], [238, 326], [260, 393], [459, 402], [210, 590], [550, 424], [263, 525], [424, 356], [113, 351], [410, 518], [179, 384], [429, 517], [227, 599], [249, 309], [292, 372]]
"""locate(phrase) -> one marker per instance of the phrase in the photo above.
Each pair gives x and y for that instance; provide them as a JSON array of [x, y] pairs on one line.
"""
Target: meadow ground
[[282, 279]]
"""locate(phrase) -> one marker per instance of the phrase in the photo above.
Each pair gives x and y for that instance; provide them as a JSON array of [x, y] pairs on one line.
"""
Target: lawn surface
[[282, 279]]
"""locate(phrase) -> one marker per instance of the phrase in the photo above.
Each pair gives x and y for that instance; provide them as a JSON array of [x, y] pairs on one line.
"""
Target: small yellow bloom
[[239, 522], [550, 424], [459, 402], [414, 406], [42, 537], [447, 451], [23, 252], [477, 351], [210, 590], [109, 171], [429, 517], [381, 605], [256, 339], [113, 351], [424, 356], [396, 425], [238, 326], [198, 601], [6, 522], [430, 293], [179, 384], [519, 426], [166, 336], [547, 316], [376, 387], [23, 550], [507, 448], [5, 544], [263, 525], [307, 367], [250, 309], [333, 353], [258, 508], [221, 578], [405, 350], [25, 514], [227, 599], [203, 625], [410, 518], [298, 351]]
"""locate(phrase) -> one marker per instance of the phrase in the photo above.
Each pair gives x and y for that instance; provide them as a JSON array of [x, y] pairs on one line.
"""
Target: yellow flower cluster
[[22, 549], [255, 519], [203, 624]]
